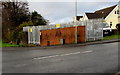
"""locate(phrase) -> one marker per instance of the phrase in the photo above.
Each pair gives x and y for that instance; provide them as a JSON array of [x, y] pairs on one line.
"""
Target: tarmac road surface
[[99, 58]]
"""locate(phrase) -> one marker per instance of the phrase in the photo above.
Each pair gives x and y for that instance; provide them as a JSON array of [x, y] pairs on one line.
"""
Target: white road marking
[[52, 56], [87, 51], [20, 65], [69, 54]]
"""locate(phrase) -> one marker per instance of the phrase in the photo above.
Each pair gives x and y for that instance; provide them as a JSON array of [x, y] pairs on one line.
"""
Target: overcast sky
[[59, 12]]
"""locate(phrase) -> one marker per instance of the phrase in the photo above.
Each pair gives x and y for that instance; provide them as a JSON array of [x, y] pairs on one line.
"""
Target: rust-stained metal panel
[[54, 36]]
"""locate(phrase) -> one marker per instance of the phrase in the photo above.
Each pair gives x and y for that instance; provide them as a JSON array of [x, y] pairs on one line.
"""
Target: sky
[[63, 11]]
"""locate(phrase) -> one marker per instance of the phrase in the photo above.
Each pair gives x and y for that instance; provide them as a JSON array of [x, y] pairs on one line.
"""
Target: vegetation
[[15, 45], [115, 36], [15, 16], [37, 19], [7, 45]]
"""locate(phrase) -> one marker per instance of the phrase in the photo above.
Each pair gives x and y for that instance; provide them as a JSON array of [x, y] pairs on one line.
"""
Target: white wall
[[85, 18], [119, 14], [112, 17]]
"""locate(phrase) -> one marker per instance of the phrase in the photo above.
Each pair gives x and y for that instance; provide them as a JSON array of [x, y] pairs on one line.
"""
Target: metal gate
[[94, 29]]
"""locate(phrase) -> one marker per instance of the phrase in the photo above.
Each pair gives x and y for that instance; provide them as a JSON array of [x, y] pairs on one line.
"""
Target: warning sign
[[31, 30], [57, 25], [40, 33]]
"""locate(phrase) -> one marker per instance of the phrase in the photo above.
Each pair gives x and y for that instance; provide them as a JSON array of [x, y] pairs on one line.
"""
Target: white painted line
[[87, 51], [62, 55], [20, 65], [69, 54], [65, 54], [53, 56]]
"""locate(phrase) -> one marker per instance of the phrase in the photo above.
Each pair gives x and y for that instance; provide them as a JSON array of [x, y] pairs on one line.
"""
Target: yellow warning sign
[[40, 33], [57, 25], [31, 30]]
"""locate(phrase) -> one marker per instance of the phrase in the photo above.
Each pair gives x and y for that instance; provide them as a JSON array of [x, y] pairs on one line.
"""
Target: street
[[99, 58]]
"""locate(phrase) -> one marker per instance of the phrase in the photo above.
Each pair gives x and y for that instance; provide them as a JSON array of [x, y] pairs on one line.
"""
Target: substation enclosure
[[65, 33]]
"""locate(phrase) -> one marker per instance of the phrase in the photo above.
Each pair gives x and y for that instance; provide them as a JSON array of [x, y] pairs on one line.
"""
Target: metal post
[[75, 34], [76, 21], [29, 41]]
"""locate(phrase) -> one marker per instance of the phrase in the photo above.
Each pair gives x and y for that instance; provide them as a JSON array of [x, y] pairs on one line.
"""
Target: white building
[[111, 15]]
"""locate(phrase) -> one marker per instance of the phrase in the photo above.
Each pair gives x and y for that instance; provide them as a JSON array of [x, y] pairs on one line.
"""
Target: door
[[62, 41], [48, 43]]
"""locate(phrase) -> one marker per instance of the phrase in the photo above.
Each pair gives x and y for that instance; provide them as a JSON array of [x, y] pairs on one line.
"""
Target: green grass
[[14, 45], [0, 44], [111, 37], [7, 45]]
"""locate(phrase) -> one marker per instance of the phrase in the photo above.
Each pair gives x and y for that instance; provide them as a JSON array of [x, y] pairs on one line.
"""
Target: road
[[100, 58]]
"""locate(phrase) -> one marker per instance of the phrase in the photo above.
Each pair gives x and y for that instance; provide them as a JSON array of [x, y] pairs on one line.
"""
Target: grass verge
[[14, 45], [115, 36], [8, 45]]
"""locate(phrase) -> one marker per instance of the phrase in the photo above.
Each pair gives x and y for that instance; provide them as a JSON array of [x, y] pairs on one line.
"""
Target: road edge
[[62, 46]]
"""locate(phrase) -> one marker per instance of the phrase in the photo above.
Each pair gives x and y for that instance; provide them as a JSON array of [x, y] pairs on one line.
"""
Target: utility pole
[[76, 21]]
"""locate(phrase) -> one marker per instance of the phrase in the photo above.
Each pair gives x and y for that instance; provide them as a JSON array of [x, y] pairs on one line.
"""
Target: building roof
[[78, 17], [106, 11], [93, 15], [103, 13]]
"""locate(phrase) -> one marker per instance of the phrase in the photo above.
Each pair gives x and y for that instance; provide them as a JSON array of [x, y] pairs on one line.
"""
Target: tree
[[17, 11], [37, 19], [14, 13], [18, 34]]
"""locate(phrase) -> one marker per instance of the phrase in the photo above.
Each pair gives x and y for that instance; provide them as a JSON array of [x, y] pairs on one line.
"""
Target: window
[[117, 11], [118, 16], [110, 24], [103, 12]]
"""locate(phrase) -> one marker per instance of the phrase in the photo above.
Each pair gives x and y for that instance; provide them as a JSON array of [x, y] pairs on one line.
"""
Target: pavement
[[81, 58]]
